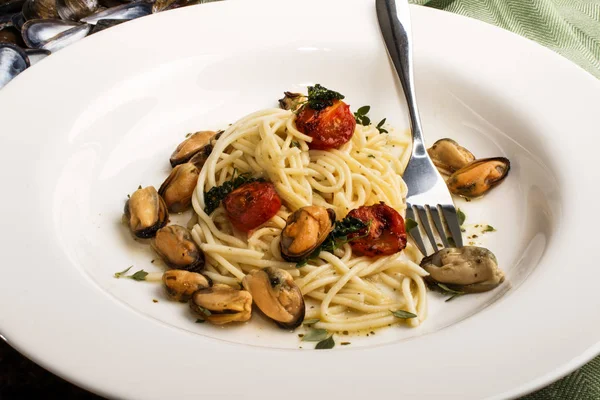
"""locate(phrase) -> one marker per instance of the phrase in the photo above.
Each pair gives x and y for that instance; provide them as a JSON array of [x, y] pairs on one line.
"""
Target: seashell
[[11, 35], [125, 11], [106, 23], [40, 9], [74, 10], [53, 35], [37, 55], [13, 61]]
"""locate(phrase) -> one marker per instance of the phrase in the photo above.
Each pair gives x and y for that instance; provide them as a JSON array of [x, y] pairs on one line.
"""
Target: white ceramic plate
[[88, 125]]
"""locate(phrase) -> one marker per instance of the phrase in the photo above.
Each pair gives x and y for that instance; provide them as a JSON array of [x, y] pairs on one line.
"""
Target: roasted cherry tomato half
[[386, 234], [251, 205], [329, 128]]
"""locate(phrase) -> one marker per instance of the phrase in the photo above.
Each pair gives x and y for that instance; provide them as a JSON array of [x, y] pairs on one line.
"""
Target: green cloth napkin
[[570, 28]]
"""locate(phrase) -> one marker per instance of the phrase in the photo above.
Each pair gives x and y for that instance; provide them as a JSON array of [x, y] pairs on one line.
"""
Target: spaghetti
[[351, 292]]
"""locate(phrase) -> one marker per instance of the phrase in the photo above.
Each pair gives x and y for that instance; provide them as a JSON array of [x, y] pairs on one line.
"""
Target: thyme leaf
[[315, 335], [461, 216], [319, 97], [326, 344], [410, 224], [403, 314], [216, 194]]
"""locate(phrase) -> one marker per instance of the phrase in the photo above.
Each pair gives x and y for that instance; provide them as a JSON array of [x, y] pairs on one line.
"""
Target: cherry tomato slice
[[386, 235], [329, 128], [251, 205]]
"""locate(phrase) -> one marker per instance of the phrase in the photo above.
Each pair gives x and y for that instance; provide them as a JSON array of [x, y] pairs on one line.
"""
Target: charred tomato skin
[[251, 205], [386, 233], [329, 128]]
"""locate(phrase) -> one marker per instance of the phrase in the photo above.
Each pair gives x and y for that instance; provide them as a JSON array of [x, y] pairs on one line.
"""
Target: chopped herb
[[380, 126], [128, 196], [371, 156], [463, 230], [200, 321], [319, 97], [361, 116], [152, 262], [328, 343], [119, 274], [295, 144], [204, 311], [410, 224], [154, 301], [452, 297], [310, 321], [300, 335], [403, 314], [475, 236], [315, 335], [345, 343], [345, 332], [461, 216], [216, 194], [447, 290], [188, 134], [451, 241], [338, 237], [439, 245], [140, 186], [138, 276], [489, 228]]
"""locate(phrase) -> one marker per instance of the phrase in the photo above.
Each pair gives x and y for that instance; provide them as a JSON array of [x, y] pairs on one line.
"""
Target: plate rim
[[533, 385]]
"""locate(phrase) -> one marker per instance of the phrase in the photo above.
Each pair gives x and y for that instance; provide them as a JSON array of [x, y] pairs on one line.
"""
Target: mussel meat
[[292, 101], [478, 177], [127, 12], [179, 186], [468, 269], [40, 9], [305, 230], [175, 245], [448, 156], [146, 212], [180, 285], [13, 61], [276, 294], [199, 141], [74, 10], [221, 304], [53, 35]]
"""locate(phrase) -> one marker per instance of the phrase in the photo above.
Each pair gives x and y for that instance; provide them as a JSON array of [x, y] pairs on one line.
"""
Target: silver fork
[[428, 194]]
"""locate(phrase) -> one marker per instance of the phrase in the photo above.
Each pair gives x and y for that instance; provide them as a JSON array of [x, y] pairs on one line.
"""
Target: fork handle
[[394, 21]]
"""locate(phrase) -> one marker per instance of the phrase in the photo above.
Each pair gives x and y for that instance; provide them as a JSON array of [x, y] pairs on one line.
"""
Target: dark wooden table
[[21, 378]]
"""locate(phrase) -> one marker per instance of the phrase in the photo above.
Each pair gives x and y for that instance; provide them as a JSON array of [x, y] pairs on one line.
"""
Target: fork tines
[[446, 229]]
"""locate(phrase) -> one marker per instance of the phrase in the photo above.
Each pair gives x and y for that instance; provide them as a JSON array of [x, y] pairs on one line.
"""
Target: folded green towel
[[570, 28]]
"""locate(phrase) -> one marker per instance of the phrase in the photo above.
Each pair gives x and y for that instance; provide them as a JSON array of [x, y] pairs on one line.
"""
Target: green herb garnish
[[200, 321], [489, 228], [447, 290], [410, 224], [326, 344], [345, 343], [403, 314], [310, 321], [461, 216], [216, 194], [315, 335], [380, 126], [371, 156], [319, 97], [120, 274], [295, 144], [338, 237], [361, 116], [204, 311], [138, 276]]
